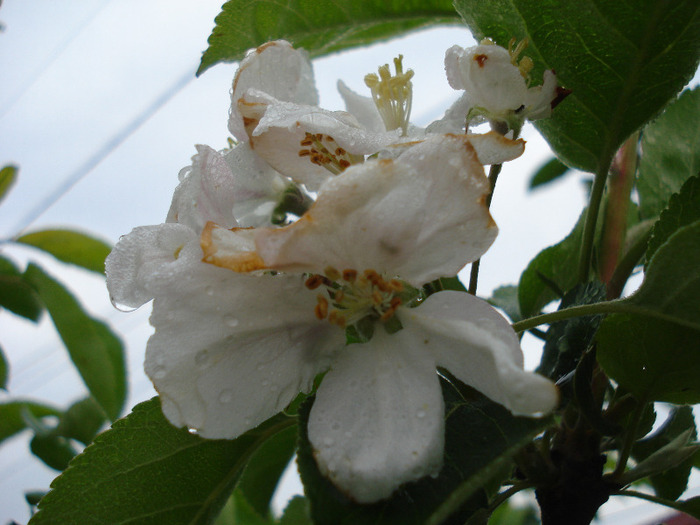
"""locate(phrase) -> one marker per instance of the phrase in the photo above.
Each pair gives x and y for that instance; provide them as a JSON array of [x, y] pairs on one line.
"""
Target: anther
[[321, 308], [332, 273], [349, 275]]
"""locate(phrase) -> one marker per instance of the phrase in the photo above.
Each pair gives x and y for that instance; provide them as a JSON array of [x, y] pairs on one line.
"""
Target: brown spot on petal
[[481, 59], [242, 262]]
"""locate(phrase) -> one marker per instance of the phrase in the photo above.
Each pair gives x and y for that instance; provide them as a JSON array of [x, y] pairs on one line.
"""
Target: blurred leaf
[[16, 295], [98, 354], [238, 511], [298, 512], [480, 440], [144, 470], [670, 153], [55, 451], [506, 298], [622, 61], [671, 285], [548, 172], [683, 209], [507, 514], [568, 340], [82, 421], [70, 247], [321, 27], [8, 176], [12, 421], [552, 266], [671, 482], [4, 370], [34, 496], [261, 476], [691, 507]]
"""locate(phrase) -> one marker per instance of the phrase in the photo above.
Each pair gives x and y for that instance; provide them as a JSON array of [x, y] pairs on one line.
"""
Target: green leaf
[[671, 153], [506, 298], [507, 514], [655, 360], [320, 27], [16, 295], [4, 370], [55, 451], [550, 268], [144, 470], [480, 439], [298, 512], [683, 209], [671, 286], [261, 476], [670, 483], [96, 351], [622, 61], [82, 421], [550, 171], [71, 247], [690, 507], [8, 176], [238, 511], [11, 420]]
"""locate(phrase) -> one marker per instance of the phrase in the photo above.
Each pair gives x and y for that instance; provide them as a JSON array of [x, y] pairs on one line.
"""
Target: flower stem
[[629, 440], [494, 171]]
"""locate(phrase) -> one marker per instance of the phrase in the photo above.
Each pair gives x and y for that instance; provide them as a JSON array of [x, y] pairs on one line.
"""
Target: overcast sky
[[100, 109]]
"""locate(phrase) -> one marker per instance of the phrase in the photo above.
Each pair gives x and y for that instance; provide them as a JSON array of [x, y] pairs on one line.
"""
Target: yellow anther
[[396, 285], [349, 275], [332, 273], [392, 95], [321, 308]]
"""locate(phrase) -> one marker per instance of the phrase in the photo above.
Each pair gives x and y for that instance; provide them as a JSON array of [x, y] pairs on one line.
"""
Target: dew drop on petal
[[328, 442], [226, 396], [265, 382], [230, 321], [192, 430], [335, 426], [159, 372], [420, 414], [202, 357], [209, 290]]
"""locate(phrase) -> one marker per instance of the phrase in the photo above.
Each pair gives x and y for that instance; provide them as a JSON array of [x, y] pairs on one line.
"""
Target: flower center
[[392, 95], [323, 150], [357, 301]]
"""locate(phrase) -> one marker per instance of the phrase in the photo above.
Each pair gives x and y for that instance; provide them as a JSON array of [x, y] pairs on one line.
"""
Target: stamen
[[321, 155], [321, 308], [525, 64], [349, 275], [392, 95]]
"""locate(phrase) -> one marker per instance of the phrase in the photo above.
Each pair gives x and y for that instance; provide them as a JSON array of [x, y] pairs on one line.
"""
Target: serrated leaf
[[622, 61], [82, 421], [8, 176], [548, 172], [670, 153], [71, 247], [144, 470], [19, 298], [320, 27], [506, 298], [683, 209], [12, 421], [477, 447], [297, 512], [671, 286], [55, 451], [96, 351], [671, 482], [262, 474]]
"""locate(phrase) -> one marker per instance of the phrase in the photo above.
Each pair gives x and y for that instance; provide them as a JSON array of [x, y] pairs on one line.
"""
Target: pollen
[[525, 64], [323, 151], [393, 95]]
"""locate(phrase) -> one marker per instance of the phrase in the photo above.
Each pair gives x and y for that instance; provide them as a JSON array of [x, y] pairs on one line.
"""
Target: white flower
[[379, 227], [496, 85]]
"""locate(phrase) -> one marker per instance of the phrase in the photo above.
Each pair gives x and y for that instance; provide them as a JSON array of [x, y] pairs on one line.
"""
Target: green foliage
[[298, 512], [320, 27], [506, 298], [481, 438], [683, 209], [510, 515], [622, 61], [8, 176], [671, 146], [82, 421], [548, 172], [144, 470], [13, 416], [4, 370], [70, 247], [97, 353], [15, 294], [670, 483], [55, 451]]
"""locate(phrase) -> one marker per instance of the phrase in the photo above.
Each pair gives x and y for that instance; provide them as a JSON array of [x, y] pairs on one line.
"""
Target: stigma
[[392, 95]]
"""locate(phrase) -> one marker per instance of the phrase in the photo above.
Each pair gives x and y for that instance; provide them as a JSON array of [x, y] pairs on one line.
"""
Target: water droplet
[[246, 421], [273, 388], [226, 396], [261, 367], [209, 290], [420, 414], [202, 357], [159, 372], [192, 430], [335, 426], [265, 382], [348, 434], [328, 442], [230, 321]]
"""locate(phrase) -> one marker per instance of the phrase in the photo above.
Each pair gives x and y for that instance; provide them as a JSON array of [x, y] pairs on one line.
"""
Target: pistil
[[392, 95]]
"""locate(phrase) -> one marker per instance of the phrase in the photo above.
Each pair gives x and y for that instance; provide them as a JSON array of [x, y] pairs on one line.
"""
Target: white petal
[[378, 418], [474, 342], [275, 68], [420, 217], [541, 97], [232, 350], [145, 258], [494, 148], [455, 118], [362, 108]]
